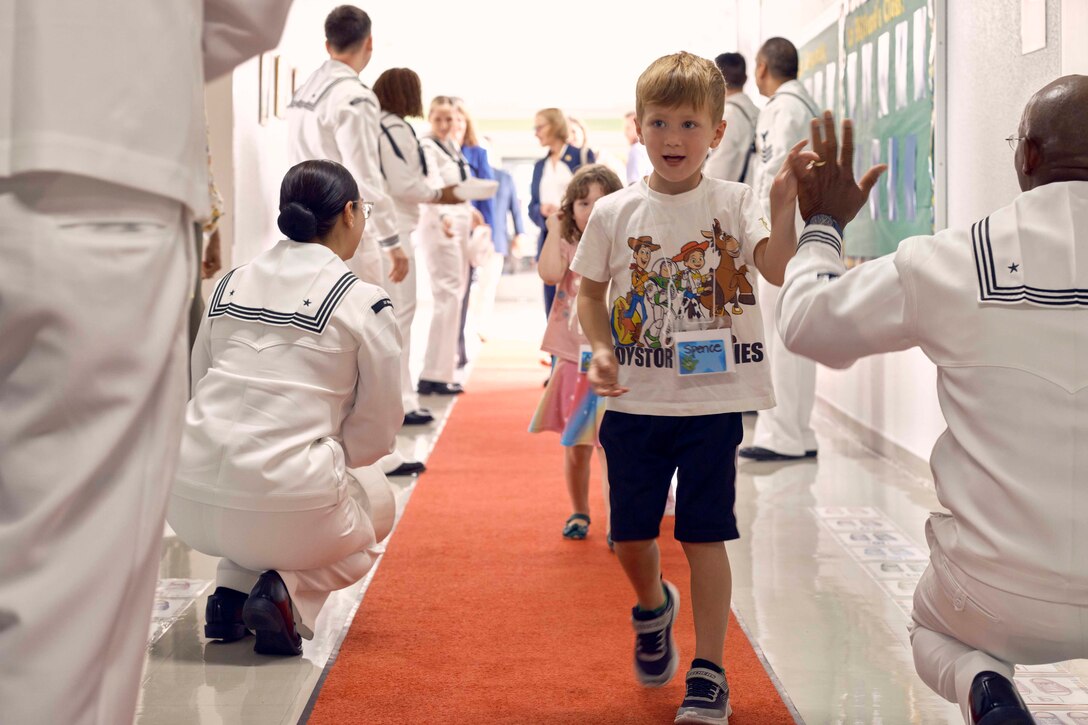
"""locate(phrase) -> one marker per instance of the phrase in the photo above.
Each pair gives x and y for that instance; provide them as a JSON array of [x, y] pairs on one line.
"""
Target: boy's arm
[[593, 316]]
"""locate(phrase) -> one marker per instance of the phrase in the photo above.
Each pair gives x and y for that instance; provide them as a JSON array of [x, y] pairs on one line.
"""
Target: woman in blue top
[[551, 175]]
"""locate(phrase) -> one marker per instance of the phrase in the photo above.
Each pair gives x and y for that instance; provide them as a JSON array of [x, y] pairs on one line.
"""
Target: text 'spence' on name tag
[[703, 352]]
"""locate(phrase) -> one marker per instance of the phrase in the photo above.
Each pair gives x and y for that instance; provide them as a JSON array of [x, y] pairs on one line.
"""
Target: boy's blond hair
[[681, 79]]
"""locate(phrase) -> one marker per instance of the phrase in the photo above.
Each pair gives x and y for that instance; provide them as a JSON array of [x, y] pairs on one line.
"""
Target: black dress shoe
[[223, 615], [268, 613], [430, 387], [408, 468], [418, 417], [756, 453], [995, 701]]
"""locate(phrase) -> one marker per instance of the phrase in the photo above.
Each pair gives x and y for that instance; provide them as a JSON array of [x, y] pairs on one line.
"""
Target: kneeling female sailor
[[296, 372]]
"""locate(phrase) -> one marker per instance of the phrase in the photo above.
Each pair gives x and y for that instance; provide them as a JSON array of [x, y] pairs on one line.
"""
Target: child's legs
[[705, 496], [641, 562], [603, 460], [639, 475], [576, 468], [711, 591]]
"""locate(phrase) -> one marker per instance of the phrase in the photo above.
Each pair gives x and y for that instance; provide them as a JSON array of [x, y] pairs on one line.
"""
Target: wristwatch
[[826, 220]]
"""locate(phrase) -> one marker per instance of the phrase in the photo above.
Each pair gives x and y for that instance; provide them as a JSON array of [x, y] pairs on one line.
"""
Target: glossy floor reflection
[[822, 578]]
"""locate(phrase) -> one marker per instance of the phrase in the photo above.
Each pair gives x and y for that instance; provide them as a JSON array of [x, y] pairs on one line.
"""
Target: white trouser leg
[[962, 627], [232, 576], [447, 267], [403, 296], [785, 428], [95, 284], [315, 552], [487, 287]]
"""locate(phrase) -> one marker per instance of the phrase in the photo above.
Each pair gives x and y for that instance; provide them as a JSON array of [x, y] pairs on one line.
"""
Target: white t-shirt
[[668, 226]]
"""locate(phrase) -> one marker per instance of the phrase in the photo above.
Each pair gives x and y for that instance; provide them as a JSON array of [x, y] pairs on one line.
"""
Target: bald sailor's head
[[1053, 143]]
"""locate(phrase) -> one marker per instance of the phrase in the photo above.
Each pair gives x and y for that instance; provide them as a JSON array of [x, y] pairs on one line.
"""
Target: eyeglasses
[[1014, 141], [541, 127], [368, 206]]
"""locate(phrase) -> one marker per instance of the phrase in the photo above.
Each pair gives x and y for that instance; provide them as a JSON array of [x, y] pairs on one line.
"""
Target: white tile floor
[[822, 578]]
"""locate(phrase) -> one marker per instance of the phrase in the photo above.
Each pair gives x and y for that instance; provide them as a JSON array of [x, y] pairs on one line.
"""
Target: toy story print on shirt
[[700, 286]]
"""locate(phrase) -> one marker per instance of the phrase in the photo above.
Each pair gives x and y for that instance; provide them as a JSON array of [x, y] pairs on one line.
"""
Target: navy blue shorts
[[643, 452]]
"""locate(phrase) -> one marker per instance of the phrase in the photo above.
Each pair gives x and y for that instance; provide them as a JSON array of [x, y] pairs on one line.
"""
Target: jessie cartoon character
[[692, 283]]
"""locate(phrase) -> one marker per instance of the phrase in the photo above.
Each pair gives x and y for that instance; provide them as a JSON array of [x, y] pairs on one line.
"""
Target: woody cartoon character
[[692, 283], [629, 313]]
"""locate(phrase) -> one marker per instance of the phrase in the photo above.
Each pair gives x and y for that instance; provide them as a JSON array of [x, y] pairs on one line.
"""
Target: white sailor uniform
[[1002, 310], [785, 428], [295, 374], [103, 169], [405, 168], [735, 158], [335, 116], [447, 259]]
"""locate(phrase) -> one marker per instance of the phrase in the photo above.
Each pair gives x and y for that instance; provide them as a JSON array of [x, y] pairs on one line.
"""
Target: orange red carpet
[[480, 612]]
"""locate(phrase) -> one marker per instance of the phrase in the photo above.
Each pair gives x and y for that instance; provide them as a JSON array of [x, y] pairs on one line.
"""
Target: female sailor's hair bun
[[312, 197], [297, 222]]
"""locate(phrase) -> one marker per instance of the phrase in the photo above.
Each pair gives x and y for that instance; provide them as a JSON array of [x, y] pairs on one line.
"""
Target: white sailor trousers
[[403, 295], [95, 285], [315, 552], [962, 626], [785, 428], [447, 267]]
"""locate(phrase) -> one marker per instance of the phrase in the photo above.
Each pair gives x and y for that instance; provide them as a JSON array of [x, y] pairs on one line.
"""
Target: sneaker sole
[[694, 717], [674, 664]]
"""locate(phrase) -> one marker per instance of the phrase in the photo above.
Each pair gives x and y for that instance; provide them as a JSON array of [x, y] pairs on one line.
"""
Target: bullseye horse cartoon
[[730, 282]]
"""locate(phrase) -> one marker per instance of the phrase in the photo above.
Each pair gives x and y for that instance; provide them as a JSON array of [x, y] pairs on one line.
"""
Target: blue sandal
[[574, 529]]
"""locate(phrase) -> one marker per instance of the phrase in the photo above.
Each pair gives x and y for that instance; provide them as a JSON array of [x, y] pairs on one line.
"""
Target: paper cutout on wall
[[910, 189], [867, 81], [883, 74], [831, 81], [892, 175], [901, 78], [852, 85], [874, 195], [920, 62]]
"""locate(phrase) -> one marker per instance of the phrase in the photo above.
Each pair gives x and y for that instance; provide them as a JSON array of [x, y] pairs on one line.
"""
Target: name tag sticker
[[585, 355], [703, 352]]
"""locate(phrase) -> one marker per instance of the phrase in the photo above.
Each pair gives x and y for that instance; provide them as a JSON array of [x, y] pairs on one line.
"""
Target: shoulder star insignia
[[305, 303], [1014, 267], [232, 293]]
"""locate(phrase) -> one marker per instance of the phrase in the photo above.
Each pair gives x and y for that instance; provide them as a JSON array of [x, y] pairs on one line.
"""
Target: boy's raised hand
[[604, 374], [826, 185]]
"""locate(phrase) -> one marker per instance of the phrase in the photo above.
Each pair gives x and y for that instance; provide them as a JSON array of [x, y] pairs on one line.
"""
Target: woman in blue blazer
[[551, 175]]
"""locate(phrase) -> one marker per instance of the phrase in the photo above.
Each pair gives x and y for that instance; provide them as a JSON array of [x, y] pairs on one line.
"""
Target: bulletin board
[[881, 56]]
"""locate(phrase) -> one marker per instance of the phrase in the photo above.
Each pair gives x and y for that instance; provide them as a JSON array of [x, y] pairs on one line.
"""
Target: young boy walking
[[676, 383]]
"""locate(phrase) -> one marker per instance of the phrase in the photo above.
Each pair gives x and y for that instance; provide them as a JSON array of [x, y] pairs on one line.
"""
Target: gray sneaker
[[656, 656], [707, 699]]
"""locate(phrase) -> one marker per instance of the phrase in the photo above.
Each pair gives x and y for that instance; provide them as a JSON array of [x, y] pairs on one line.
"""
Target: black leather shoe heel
[[995, 701], [268, 613], [223, 615]]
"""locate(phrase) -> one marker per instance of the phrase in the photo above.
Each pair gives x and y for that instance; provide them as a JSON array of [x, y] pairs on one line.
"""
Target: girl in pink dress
[[568, 406]]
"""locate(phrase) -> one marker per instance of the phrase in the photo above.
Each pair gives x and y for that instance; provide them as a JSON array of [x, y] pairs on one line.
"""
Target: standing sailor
[[783, 432], [335, 116], [103, 170], [735, 157]]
